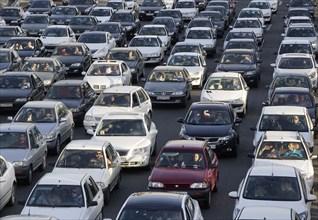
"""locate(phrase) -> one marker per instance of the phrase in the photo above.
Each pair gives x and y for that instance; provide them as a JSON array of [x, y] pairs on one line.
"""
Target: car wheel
[[44, 163], [215, 189], [28, 179], [107, 196], [11, 201], [118, 181], [207, 203], [57, 149]]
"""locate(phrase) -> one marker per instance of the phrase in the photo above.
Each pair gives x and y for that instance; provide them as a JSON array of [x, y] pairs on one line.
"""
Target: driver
[[293, 150]]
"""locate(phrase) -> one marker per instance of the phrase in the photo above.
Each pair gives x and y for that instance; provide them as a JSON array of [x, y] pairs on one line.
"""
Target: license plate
[[6, 104], [149, 14], [163, 97], [33, 33]]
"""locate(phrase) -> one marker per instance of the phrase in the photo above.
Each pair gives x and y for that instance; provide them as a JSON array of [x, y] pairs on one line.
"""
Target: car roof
[[108, 61], [273, 170], [57, 26], [295, 41], [153, 25], [123, 49], [247, 19], [186, 54], [300, 25], [239, 51], [224, 74], [122, 89], [292, 90], [291, 74], [71, 44], [242, 40], [185, 144], [286, 110], [62, 178], [187, 43], [28, 217], [69, 82], [146, 36], [265, 212], [40, 104], [23, 38], [200, 28], [15, 127], [282, 136], [173, 68], [41, 59], [86, 145], [94, 32], [299, 17]]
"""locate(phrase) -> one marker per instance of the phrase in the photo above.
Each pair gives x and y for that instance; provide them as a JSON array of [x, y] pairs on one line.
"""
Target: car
[[35, 24], [6, 32], [82, 23], [201, 4], [53, 35], [188, 9], [110, 100], [116, 29], [287, 148], [132, 57], [160, 204], [267, 212], [297, 19], [237, 34], [102, 13], [9, 60], [229, 87], [176, 14], [53, 119], [66, 91], [117, 5], [23, 145], [76, 56], [169, 85], [201, 22], [63, 14], [96, 158], [252, 13], [11, 14], [132, 134], [265, 6], [297, 62], [284, 118], [188, 166], [150, 46], [279, 186], [240, 43], [49, 70], [214, 122], [194, 63], [84, 6], [17, 88], [226, 4], [306, 4], [41, 6], [99, 42], [28, 217], [8, 183], [297, 12], [171, 25], [189, 47], [150, 8], [107, 73], [217, 20], [223, 11], [77, 192]]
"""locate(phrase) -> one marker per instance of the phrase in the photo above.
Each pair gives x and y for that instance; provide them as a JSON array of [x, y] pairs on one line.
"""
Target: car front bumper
[[152, 59], [135, 161], [21, 172], [201, 195]]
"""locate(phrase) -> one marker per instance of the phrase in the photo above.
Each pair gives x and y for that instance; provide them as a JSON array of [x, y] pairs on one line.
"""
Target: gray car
[[54, 120], [35, 24], [23, 145]]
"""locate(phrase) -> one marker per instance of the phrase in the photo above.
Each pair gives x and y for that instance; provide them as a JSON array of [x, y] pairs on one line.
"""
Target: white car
[[102, 13], [66, 196], [279, 186], [285, 148], [297, 19], [159, 30], [194, 63], [265, 6], [111, 100], [252, 13], [227, 87], [8, 183], [297, 63], [188, 9], [97, 158], [133, 135], [103, 74], [150, 46], [267, 212], [99, 42], [238, 34], [274, 5], [205, 22], [282, 118], [53, 35]]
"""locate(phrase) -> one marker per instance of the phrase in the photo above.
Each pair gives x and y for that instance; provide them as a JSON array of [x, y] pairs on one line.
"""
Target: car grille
[[209, 139], [177, 186], [163, 93], [122, 152]]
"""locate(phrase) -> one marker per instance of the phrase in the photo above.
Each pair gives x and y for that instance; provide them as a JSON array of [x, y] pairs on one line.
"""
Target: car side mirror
[[10, 118], [143, 79], [266, 103], [273, 65], [311, 198], [83, 73], [283, 34], [180, 120], [62, 120], [253, 128], [313, 157], [233, 195], [92, 203], [251, 155], [238, 120]]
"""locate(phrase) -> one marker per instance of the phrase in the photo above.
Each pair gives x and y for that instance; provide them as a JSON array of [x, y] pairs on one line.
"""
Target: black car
[[75, 56], [217, 20], [176, 14], [223, 12], [35, 24], [226, 5], [78, 104], [169, 85], [244, 61], [171, 26], [307, 4], [132, 57], [49, 69], [116, 29], [150, 8], [9, 60], [6, 32], [82, 23], [64, 14], [216, 123], [129, 20], [84, 6], [10, 14], [41, 7], [26, 46], [17, 88]]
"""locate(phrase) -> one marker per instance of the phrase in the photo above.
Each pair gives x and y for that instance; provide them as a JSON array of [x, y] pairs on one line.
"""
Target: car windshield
[[185, 48], [293, 13], [64, 92], [8, 32], [122, 17], [272, 188], [224, 83], [38, 66], [113, 100], [165, 13], [198, 23], [281, 151], [92, 38], [144, 42], [301, 32], [82, 21], [236, 35], [199, 34], [68, 51], [168, 22], [35, 115], [121, 127], [115, 5], [295, 48], [64, 11], [100, 12], [108, 27], [186, 159], [36, 20], [9, 12], [104, 70], [188, 4], [283, 123], [55, 32], [237, 58], [295, 63], [260, 5], [81, 2], [13, 140], [21, 45], [56, 196], [291, 81], [122, 55], [208, 117], [89, 159], [293, 99], [250, 14], [153, 31], [4, 57], [183, 60], [247, 24], [133, 212], [241, 45], [297, 21], [15, 82], [166, 76], [301, 3], [40, 4], [152, 3]]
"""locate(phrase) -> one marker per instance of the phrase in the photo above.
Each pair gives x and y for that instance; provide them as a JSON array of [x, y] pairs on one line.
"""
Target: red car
[[186, 166]]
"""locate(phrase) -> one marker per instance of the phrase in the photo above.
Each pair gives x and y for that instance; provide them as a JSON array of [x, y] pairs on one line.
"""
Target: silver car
[[23, 145], [54, 120]]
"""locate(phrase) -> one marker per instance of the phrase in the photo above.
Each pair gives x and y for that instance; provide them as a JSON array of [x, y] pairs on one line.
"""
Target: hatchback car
[[186, 166], [23, 145], [8, 183]]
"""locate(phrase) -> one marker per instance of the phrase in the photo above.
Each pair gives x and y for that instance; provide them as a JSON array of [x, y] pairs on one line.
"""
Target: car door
[[211, 161], [38, 87], [126, 74], [38, 147], [151, 130], [113, 169], [135, 103], [16, 61], [63, 122], [39, 48], [111, 41], [5, 184], [71, 35], [92, 194], [190, 209], [89, 96], [87, 57], [59, 74], [145, 101], [245, 88]]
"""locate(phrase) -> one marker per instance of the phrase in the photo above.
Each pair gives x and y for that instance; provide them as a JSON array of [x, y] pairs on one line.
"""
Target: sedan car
[[186, 166], [117, 5], [41, 6], [82, 23], [305, 4], [167, 84], [116, 29], [160, 205], [96, 158], [9, 60], [237, 34], [175, 14], [150, 8], [62, 15], [244, 44], [252, 13], [35, 24], [216, 123], [296, 12], [102, 13], [217, 20], [265, 6], [11, 14], [171, 25], [188, 47], [188, 9], [132, 134], [8, 183], [54, 120], [84, 6], [7, 32], [201, 22], [23, 145], [55, 193]]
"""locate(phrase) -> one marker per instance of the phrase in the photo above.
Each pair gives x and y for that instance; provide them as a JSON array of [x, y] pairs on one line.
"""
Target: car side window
[[142, 97], [93, 187], [3, 167], [135, 100], [190, 208], [88, 193], [112, 151], [31, 138], [123, 67], [148, 122], [36, 79], [88, 89], [209, 156], [35, 135]]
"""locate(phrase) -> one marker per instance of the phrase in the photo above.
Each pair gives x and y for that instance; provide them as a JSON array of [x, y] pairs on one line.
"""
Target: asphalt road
[[232, 170]]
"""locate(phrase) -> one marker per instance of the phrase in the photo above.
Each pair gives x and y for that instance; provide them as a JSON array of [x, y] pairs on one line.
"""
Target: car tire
[[28, 179], [118, 181], [207, 203], [42, 167], [215, 189], [11, 201], [107, 196]]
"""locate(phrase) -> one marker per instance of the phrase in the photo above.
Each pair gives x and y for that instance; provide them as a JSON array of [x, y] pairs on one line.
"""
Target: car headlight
[[21, 99], [183, 134], [141, 11], [207, 45], [50, 135], [53, 20], [128, 28], [19, 163], [312, 75], [150, 93], [303, 215], [47, 82], [259, 34], [154, 54], [155, 184], [89, 118], [249, 73], [205, 99], [41, 30], [101, 184], [267, 14], [141, 150], [237, 101], [199, 185], [76, 64], [178, 93]]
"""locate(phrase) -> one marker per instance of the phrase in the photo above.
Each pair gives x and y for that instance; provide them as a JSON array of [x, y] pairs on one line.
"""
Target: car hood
[[311, 39], [70, 59], [99, 80], [33, 26], [45, 128], [131, 64], [207, 130], [236, 67], [70, 103], [4, 65], [307, 71], [186, 10], [94, 47], [202, 41], [58, 212], [222, 95], [38, 10], [45, 75], [147, 50], [164, 86], [177, 175], [125, 142], [97, 173], [255, 30], [14, 154], [16, 92], [193, 69], [54, 40]]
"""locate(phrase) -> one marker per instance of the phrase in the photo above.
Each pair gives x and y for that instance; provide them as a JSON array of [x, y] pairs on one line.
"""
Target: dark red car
[[186, 166]]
